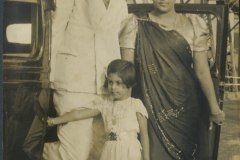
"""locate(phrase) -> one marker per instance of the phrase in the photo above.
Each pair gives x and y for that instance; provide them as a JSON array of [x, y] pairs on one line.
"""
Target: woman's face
[[164, 6]]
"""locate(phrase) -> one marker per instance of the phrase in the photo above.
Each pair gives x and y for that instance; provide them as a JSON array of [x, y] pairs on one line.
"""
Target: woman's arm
[[127, 37], [203, 74], [144, 136], [127, 54], [73, 116]]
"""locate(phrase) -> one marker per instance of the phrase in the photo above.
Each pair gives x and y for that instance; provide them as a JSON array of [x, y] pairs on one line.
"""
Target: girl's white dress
[[121, 126]]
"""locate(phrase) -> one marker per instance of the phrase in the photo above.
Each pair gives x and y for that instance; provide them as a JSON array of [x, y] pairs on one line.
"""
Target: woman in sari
[[171, 56]]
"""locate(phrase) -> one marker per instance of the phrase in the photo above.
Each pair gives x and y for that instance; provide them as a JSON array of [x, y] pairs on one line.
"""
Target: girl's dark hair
[[124, 69]]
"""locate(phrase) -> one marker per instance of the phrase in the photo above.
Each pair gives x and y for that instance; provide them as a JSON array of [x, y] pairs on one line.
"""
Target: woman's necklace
[[160, 22]]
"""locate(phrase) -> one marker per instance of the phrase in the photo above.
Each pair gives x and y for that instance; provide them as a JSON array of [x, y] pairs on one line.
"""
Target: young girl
[[124, 117]]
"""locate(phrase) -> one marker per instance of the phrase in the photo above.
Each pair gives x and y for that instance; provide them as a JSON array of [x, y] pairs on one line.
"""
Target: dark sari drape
[[169, 91]]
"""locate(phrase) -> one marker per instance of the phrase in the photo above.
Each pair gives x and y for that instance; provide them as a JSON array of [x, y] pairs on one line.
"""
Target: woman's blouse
[[192, 27], [119, 116]]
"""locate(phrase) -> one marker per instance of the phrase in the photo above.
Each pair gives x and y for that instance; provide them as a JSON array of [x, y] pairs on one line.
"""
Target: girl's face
[[164, 6], [117, 89]]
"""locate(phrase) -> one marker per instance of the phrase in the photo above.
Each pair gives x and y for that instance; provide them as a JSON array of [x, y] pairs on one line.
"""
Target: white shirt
[[90, 42]]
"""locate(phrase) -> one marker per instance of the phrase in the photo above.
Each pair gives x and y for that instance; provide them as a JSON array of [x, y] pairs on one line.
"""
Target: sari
[[169, 90]]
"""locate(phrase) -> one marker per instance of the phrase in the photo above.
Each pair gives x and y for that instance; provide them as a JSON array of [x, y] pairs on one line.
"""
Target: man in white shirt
[[84, 41]]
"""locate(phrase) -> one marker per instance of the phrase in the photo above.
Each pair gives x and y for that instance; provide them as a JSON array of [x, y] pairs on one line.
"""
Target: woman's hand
[[217, 118]]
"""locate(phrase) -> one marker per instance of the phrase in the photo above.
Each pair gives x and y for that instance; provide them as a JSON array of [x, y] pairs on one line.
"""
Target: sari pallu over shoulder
[[169, 88]]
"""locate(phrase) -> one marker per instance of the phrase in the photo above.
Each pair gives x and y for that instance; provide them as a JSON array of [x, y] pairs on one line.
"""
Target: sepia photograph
[[120, 80]]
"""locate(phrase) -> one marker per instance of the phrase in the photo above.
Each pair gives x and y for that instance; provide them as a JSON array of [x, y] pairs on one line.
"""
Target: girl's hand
[[217, 118], [50, 122]]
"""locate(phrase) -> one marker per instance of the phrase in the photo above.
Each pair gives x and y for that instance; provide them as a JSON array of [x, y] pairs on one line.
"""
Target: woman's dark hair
[[124, 69]]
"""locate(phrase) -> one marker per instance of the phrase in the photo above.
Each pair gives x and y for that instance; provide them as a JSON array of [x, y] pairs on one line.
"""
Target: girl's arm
[[144, 136], [73, 116], [203, 74]]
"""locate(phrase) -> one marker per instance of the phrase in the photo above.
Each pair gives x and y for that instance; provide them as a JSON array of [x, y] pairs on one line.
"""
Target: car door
[[26, 50]]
